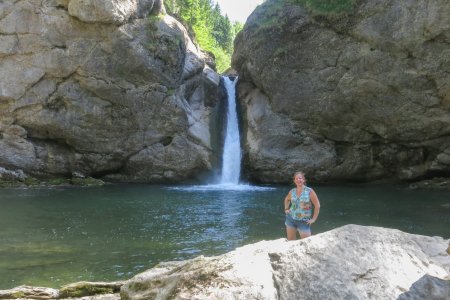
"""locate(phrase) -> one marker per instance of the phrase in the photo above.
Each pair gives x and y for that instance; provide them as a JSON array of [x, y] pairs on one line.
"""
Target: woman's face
[[299, 179]]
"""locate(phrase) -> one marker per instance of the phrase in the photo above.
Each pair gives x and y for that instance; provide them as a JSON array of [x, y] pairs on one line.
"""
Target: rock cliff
[[350, 262], [113, 89], [352, 90]]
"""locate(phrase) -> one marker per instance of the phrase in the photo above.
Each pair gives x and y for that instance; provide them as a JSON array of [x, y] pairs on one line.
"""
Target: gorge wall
[[117, 89], [113, 89], [359, 91]]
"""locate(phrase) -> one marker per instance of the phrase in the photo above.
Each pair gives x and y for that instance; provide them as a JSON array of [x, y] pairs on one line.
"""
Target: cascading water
[[231, 158]]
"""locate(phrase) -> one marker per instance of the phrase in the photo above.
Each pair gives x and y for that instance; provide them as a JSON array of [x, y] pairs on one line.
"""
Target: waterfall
[[231, 158]]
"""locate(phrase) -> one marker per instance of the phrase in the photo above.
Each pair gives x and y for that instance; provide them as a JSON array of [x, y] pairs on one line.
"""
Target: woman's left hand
[[310, 221]]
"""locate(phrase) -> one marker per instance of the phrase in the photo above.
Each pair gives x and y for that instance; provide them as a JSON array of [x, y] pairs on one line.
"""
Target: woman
[[298, 207]]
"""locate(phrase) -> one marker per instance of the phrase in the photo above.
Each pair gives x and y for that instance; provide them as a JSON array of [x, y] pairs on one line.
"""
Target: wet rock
[[29, 292], [83, 289], [435, 183]]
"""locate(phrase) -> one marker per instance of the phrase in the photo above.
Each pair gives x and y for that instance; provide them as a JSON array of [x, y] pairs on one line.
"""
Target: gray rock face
[[100, 88], [351, 262], [363, 96], [110, 12], [428, 287]]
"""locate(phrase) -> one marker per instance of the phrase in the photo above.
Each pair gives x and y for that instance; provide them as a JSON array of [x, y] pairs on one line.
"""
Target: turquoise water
[[54, 236]]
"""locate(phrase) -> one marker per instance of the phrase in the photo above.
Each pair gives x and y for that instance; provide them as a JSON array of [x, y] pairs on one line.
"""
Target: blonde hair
[[300, 173]]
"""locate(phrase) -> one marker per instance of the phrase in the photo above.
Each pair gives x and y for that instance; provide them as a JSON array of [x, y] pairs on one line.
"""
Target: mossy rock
[[57, 181], [77, 181], [10, 184], [83, 289], [17, 295], [88, 181], [31, 181], [29, 292]]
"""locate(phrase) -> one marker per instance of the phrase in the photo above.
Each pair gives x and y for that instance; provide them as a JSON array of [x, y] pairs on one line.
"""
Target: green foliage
[[272, 21], [17, 295], [213, 31], [153, 19], [87, 181], [84, 289], [237, 27]]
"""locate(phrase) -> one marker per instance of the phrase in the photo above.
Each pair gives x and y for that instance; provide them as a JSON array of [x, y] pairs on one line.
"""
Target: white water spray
[[231, 158]]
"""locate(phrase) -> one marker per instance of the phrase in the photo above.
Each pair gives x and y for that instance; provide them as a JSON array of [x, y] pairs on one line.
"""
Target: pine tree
[[213, 31]]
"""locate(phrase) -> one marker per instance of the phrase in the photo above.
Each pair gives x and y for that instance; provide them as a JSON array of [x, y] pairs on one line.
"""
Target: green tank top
[[301, 207]]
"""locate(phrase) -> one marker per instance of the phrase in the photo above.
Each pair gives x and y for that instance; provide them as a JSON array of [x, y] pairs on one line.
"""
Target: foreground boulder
[[428, 287], [346, 90], [104, 88], [351, 262]]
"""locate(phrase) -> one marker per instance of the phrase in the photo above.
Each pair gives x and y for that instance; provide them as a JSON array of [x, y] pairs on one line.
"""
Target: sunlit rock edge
[[350, 262]]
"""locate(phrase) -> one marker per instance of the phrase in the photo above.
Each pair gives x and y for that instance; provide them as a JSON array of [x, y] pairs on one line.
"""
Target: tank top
[[301, 207]]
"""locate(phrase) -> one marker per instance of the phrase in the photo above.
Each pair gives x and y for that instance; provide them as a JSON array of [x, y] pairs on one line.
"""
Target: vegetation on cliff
[[213, 31]]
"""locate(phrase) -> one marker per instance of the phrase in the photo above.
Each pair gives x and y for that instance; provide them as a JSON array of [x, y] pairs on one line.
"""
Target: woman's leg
[[304, 229], [304, 234], [291, 233]]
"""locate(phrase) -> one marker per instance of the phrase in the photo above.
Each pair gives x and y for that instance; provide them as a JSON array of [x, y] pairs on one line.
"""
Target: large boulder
[[111, 88], [351, 262], [345, 90]]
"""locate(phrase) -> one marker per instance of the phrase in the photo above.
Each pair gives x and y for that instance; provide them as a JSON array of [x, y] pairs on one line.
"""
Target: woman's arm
[[287, 203], [316, 203]]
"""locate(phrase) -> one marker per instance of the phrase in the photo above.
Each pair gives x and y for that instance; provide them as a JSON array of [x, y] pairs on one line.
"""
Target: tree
[[213, 31]]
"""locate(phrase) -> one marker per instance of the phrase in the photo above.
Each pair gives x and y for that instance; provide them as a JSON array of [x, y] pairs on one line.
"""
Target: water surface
[[54, 236]]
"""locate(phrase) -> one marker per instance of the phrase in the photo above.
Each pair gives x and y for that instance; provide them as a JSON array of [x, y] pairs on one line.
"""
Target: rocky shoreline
[[97, 290], [19, 179], [350, 262], [438, 183]]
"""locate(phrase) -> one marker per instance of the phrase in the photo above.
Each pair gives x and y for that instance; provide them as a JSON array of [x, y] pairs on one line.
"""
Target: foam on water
[[222, 187]]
